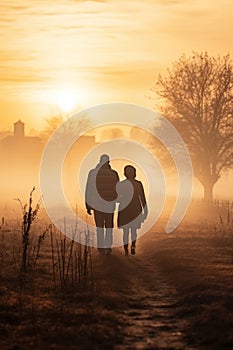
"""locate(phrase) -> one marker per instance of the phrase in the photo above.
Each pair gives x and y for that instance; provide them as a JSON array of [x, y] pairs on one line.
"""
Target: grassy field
[[176, 293]]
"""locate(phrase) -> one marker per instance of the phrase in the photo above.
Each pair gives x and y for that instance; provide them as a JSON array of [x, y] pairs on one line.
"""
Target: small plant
[[71, 261], [29, 215]]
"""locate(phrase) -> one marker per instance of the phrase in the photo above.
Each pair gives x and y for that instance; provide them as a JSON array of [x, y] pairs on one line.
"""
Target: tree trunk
[[208, 192]]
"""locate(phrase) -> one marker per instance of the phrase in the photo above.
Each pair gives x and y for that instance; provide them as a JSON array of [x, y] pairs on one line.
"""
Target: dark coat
[[101, 181], [132, 203]]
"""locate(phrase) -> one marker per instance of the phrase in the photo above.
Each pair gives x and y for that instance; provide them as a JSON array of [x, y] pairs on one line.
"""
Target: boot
[[126, 249], [133, 247]]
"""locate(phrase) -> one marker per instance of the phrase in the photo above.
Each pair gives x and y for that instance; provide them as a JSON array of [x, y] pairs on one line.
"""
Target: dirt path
[[151, 320], [148, 302], [176, 293]]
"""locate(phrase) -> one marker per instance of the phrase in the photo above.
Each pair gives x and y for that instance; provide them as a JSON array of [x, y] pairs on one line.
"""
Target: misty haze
[[116, 164]]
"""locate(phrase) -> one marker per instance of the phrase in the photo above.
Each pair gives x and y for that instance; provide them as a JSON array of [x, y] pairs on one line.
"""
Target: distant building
[[20, 158], [4, 134], [19, 144], [19, 161]]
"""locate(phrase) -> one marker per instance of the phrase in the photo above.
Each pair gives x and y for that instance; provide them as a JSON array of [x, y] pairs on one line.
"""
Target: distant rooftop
[[19, 122]]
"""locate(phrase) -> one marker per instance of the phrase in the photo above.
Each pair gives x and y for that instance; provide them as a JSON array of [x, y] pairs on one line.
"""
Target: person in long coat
[[100, 197], [132, 209]]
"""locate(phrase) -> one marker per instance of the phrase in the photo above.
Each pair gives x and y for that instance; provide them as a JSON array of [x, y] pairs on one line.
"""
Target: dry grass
[[200, 265], [72, 298]]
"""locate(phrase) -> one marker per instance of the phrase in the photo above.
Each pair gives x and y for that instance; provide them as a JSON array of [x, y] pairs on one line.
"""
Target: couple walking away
[[103, 191]]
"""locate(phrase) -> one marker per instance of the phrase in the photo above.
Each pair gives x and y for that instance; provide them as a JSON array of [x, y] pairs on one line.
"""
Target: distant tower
[[19, 129]]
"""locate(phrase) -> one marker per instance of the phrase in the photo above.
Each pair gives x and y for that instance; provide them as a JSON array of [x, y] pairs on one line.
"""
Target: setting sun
[[66, 99]]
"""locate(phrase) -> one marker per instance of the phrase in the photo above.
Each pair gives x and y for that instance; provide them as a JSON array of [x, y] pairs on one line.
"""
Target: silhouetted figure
[[132, 208], [101, 197]]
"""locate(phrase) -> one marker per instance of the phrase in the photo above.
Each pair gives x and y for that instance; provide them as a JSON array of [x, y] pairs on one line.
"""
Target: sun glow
[[66, 99]]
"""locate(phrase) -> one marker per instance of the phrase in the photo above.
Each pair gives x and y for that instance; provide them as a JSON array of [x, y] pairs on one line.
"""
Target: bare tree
[[197, 97], [52, 123], [66, 127]]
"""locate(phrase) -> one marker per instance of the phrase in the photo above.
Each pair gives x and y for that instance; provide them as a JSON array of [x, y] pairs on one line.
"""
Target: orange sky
[[98, 51]]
